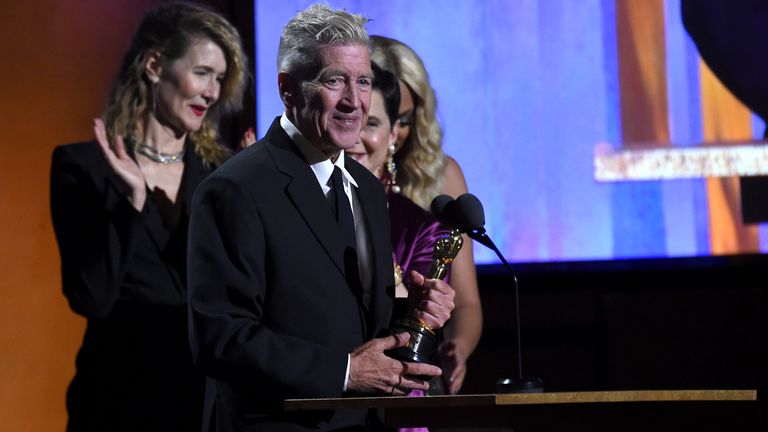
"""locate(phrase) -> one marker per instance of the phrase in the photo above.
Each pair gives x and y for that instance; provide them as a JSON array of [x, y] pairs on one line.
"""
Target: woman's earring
[[154, 95], [392, 169]]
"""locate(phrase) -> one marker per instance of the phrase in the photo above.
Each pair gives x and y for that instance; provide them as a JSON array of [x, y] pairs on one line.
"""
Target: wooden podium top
[[643, 410], [626, 396], [477, 400]]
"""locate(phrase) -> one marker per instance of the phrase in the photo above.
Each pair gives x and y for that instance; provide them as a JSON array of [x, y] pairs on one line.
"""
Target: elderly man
[[290, 266]]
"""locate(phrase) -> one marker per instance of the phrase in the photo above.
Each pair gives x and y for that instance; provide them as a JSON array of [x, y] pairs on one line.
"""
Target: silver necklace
[[160, 157]]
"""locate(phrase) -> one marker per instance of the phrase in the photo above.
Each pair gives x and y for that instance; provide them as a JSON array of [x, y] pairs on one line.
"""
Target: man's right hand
[[372, 371]]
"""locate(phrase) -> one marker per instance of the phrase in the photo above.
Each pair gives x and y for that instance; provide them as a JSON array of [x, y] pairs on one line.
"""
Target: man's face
[[336, 101]]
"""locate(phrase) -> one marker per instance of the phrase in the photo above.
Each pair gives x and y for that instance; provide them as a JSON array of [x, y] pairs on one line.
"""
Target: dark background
[[695, 323]]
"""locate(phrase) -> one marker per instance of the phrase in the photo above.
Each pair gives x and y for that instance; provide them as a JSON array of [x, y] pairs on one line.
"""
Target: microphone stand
[[518, 384]]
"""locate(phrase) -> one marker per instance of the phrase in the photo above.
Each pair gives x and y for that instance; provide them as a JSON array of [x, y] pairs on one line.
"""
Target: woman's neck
[[163, 138]]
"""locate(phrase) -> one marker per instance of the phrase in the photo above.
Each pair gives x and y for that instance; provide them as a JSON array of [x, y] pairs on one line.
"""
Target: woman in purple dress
[[414, 230], [425, 171]]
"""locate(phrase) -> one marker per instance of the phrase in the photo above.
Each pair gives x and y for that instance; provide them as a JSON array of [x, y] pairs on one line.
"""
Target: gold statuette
[[422, 344]]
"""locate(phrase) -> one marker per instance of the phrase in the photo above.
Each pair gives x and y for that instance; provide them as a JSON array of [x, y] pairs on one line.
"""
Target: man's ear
[[288, 88], [153, 66]]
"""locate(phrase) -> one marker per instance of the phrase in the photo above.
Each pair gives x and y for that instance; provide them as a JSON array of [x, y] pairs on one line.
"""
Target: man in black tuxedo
[[291, 282], [731, 37]]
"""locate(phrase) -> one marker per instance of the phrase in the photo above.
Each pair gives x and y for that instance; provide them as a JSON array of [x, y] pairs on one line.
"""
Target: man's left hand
[[431, 300]]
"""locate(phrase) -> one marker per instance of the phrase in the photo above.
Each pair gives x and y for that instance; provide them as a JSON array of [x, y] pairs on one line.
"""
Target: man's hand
[[372, 371], [249, 138], [454, 362], [430, 300]]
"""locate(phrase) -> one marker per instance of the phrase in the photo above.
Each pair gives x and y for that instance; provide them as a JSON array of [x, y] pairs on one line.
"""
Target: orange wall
[[59, 57], [642, 71]]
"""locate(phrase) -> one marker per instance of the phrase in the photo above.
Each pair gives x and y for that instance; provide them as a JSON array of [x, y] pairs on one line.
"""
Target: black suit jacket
[[125, 272], [272, 315], [731, 37]]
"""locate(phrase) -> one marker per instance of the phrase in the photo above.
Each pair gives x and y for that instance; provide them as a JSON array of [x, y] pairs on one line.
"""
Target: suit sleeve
[[730, 36], [230, 336], [94, 229]]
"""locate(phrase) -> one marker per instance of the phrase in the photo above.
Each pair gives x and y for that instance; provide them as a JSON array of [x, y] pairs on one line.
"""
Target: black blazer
[[125, 272], [271, 313], [731, 38]]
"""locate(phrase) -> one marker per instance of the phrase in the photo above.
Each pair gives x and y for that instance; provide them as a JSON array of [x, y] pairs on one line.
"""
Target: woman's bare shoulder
[[454, 183]]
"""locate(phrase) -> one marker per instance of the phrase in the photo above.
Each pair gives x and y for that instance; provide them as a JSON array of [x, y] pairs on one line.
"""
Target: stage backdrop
[[526, 89]]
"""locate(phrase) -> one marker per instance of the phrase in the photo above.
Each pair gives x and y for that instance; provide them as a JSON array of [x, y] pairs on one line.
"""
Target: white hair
[[313, 27]]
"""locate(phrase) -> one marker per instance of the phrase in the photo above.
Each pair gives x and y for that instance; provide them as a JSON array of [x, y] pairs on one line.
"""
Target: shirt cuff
[[346, 375]]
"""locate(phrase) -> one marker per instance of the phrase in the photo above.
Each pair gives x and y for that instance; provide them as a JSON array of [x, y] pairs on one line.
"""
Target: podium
[[647, 410]]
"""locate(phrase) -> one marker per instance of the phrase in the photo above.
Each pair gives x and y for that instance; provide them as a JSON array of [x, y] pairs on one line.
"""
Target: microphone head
[[469, 212], [444, 210], [439, 203]]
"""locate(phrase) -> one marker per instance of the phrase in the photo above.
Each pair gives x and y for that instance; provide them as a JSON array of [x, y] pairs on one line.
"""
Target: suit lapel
[[307, 197], [194, 173], [115, 188], [377, 224], [305, 193], [118, 190]]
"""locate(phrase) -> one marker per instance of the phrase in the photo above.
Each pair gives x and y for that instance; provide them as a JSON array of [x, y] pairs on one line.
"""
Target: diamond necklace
[[160, 157]]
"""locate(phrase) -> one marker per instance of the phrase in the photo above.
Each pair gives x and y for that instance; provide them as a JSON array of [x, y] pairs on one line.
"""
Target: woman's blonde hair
[[170, 30], [421, 161]]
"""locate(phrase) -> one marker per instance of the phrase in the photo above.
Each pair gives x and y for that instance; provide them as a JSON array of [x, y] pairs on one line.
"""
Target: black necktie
[[343, 213], [343, 210]]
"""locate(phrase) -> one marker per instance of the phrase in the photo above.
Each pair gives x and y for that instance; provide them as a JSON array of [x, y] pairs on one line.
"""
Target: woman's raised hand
[[122, 164]]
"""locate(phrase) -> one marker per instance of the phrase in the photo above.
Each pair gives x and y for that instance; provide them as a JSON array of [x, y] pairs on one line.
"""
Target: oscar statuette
[[422, 344]]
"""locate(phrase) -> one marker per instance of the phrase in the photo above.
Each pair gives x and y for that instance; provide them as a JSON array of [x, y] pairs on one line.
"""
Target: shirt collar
[[320, 163]]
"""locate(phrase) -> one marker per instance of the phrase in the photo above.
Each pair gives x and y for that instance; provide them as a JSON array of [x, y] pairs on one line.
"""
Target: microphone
[[468, 212], [444, 210], [464, 213]]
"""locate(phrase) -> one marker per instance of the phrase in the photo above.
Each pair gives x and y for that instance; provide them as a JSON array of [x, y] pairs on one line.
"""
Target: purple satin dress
[[414, 233]]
